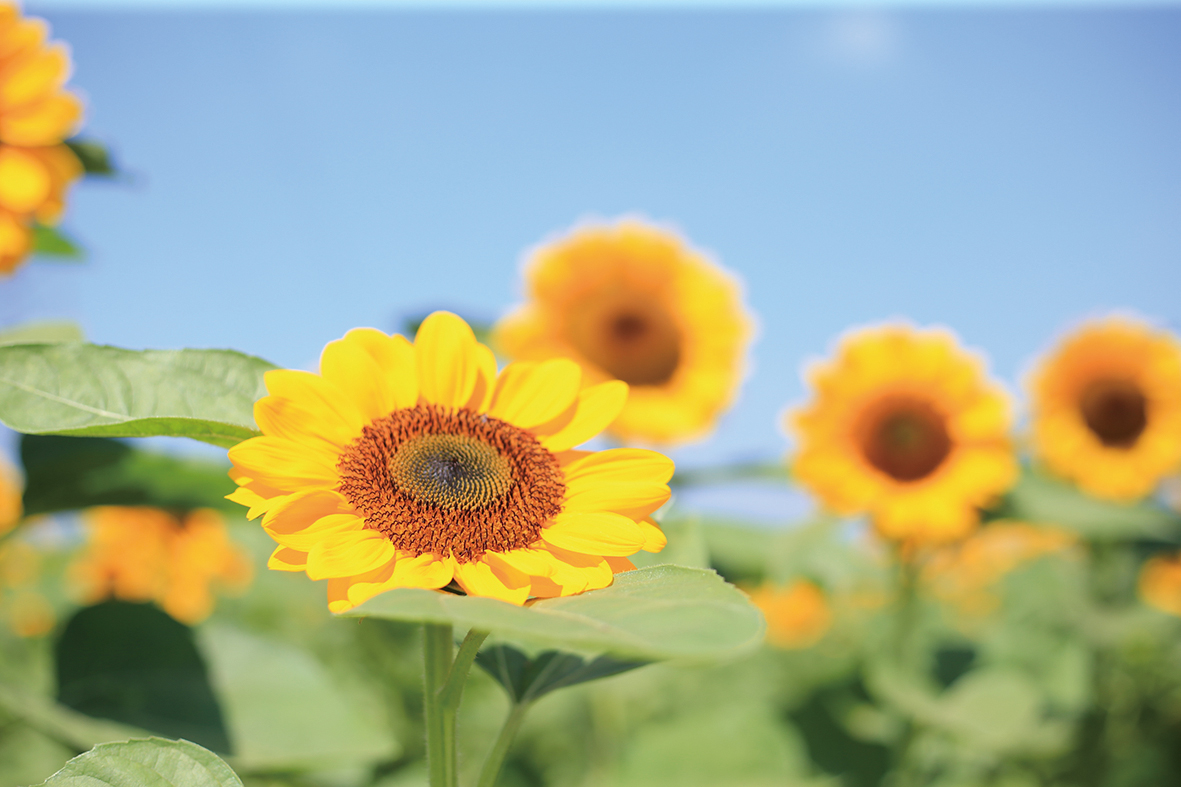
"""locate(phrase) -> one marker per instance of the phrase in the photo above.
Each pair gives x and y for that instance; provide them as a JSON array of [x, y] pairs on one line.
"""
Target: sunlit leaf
[[52, 242], [64, 473], [152, 762], [525, 679], [91, 390], [42, 333], [652, 614], [95, 158]]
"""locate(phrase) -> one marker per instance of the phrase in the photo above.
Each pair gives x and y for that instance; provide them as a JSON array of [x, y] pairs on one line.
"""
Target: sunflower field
[[469, 550]]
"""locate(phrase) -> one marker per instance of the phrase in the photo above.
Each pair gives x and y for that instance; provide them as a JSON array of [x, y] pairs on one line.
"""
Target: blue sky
[[297, 173]]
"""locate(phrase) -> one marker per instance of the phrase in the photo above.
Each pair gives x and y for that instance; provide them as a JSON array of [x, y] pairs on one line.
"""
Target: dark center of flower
[[633, 340], [451, 482], [907, 440], [1116, 411]]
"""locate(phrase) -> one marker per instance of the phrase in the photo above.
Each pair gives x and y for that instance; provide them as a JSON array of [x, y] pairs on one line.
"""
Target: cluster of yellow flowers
[[36, 115]]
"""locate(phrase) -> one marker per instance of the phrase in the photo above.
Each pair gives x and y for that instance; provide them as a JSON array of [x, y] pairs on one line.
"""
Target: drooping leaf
[[96, 391], [95, 158], [150, 762], [525, 679], [42, 333], [52, 242], [1038, 498], [283, 709], [64, 473], [133, 664], [651, 614]]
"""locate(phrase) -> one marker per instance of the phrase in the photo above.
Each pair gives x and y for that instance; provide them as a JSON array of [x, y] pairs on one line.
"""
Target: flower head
[[1160, 583], [415, 465], [633, 302], [904, 426], [148, 554], [1107, 408], [798, 615], [36, 115], [11, 492]]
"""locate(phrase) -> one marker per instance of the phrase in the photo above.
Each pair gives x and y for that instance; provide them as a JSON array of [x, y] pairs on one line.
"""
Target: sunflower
[[36, 115], [415, 465], [1160, 583], [22, 606], [11, 494], [148, 554], [904, 426], [1107, 408], [633, 302], [798, 615]]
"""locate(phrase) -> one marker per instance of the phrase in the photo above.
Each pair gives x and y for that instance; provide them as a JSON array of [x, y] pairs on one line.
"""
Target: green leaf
[[1044, 500], [96, 391], [65, 473], [59, 722], [151, 762], [51, 242], [283, 709], [133, 664], [525, 679], [95, 158], [651, 614], [42, 333]]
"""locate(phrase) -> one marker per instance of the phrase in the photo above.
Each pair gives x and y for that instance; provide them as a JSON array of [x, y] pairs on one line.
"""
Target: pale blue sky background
[[299, 173]]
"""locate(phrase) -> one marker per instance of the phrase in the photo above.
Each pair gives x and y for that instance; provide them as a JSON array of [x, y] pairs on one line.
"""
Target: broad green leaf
[[151, 762], [651, 614], [95, 158], [133, 664], [52, 242], [64, 473], [95, 391], [525, 679], [1038, 498], [283, 709], [42, 333]]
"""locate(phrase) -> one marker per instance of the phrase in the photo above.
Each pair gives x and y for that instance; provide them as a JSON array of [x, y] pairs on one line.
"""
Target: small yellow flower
[[1107, 408], [11, 506], [964, 574], [413, 465], [798, 615], [147, 554], [633, 302], [905, 426], [36, 115], [1160, 583]]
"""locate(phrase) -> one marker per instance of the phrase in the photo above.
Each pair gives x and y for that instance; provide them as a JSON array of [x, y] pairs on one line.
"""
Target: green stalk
[[504, 742], [437, 647], [452, 691]]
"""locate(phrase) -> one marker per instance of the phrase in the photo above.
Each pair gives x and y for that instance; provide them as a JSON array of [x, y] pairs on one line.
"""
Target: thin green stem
[[504, 742], [437, 647], [452, 691]]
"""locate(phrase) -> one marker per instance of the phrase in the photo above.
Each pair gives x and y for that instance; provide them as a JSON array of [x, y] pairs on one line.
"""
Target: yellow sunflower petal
[[531, 394], [316, 428], [271, 458], [303, 533], [448, 361], [493, 578], [252, 500], [620, 464], [25, 182], [348, 366], [576, 572], [595, 534], [394, 355], [348, 553], [641, 498], [47, 121], [654, 538], [317, 396], [424, 571], [285, 559], [620, 564], [598, 406], [485, 380]]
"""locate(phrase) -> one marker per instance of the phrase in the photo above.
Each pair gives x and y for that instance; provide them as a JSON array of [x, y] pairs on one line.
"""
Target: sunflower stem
[[437, 647], [504, 742], [452, 691]]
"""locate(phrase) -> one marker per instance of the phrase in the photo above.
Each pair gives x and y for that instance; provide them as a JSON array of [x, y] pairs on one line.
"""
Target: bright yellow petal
[[284, 559], [272, 459], [493, 579], [326, 526], [598, 406], [350, 368], [317, 428], [252, 500], [314, 394], [485, 380], [348, 553], [448, 361], [620, 564], [424, 571], [595, 534], [576, 572], [621, 464], [654, 538], [394, 355], [530, 394], [589, 496]]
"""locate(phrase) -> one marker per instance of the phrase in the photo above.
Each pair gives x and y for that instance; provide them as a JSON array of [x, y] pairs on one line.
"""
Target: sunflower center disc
[[1116, 411], [907, 441], [632, 340], [451, 482]]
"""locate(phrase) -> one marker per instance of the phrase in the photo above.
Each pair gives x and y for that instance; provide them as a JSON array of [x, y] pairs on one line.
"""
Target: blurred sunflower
[[798, 615], [964, 574], [148, 554], [1160, 583], [633, 302], [1107, 408], [11, 492], [36, 115], [413, 465], [905, 426]]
